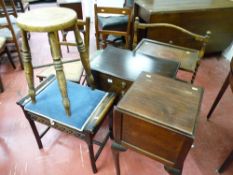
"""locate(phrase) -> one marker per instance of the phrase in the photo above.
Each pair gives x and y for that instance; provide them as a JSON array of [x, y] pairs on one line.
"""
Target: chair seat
[[113, 22], [83, 99], [5, 32], [73, 71]]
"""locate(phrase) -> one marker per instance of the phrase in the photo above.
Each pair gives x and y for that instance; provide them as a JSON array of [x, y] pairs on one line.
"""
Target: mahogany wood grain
[[157, 117], [115, 69]]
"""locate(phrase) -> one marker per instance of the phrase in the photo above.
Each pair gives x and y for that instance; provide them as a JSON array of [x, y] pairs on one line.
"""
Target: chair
[[73, 69], [4, 49], [20, 5], [8, 29], [109, 28], [228, 81], [49, 103], [76, 5], [189, 58], [228, 54]]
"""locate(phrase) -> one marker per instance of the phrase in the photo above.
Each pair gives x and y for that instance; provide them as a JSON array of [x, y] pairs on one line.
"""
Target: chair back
[[196, 40], [82, 24], [8, 28], [7, 7], [116, 27]]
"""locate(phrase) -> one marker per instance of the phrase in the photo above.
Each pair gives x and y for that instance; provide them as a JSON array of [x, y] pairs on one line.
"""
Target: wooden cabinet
[[157, 117], [195, 15]]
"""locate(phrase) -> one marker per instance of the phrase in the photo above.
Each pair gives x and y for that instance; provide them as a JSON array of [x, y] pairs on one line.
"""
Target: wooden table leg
[[28, 65], [173, 171], [219, 96], [226, 163], [56, 54], [1, 86], [116, 148]]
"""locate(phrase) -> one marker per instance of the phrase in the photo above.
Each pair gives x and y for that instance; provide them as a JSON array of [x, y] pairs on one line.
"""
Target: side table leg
[[56, 54], [116, 148], [173, 171], [28, 65], [219, 96], [226, 163]]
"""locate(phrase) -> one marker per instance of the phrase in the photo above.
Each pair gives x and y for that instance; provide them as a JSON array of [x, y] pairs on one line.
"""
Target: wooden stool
[[51, 20]]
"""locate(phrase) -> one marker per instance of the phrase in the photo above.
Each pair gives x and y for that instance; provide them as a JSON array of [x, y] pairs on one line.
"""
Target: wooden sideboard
[[195, 15], [157, 117]]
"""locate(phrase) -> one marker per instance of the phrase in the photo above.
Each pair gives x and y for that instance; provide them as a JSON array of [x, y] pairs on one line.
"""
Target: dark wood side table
[[116, 69], [157, 117], [197, 17]]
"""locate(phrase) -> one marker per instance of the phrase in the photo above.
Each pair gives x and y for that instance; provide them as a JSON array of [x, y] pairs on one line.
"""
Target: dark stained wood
[[187, 57], [115, 69], [228, 80], [1, 85], [195, 16], [157, 117]]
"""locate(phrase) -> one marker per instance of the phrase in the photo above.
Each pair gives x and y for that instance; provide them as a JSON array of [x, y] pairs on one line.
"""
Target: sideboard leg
[[173, 171], [116, 148]]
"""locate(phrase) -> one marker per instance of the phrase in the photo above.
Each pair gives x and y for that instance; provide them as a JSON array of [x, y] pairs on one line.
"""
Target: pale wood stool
[[51, 20]]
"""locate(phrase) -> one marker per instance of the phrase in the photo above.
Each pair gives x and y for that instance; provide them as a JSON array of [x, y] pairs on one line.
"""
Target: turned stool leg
[[28, 65], [56, 54], [84, 57]]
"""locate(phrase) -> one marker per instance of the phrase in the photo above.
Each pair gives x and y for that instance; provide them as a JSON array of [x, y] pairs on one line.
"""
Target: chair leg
[[89, 141], [64, 35], [104, 38], [19, 55], [1, 86], [97, 41], [219, 96], [9, 57], [35, 132], [195, 73], [226, 163], [127, 42]]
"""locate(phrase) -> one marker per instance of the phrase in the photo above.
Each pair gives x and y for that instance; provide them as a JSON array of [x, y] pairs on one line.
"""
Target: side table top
[[164, 101], [127, 65], [47, 19]]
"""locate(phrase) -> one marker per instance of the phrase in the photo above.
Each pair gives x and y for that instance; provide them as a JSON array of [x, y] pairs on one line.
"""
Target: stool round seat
[[47, 19]]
